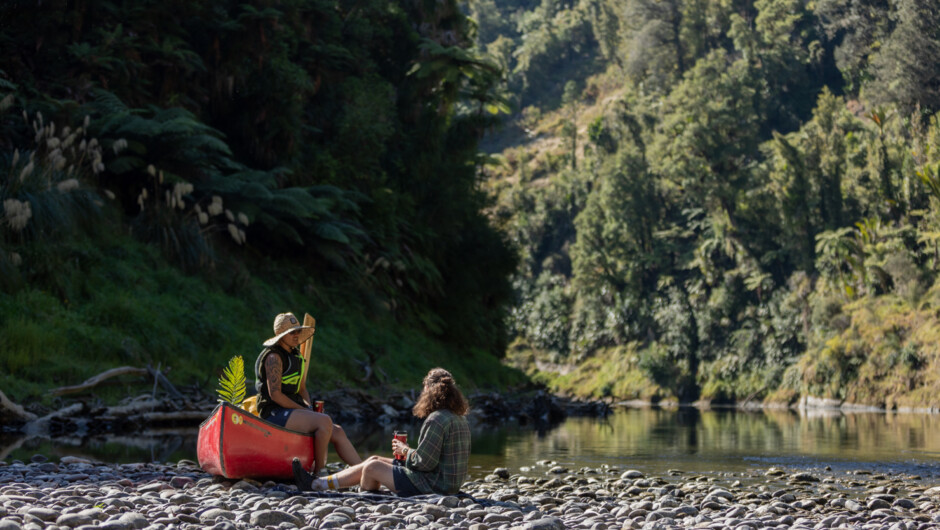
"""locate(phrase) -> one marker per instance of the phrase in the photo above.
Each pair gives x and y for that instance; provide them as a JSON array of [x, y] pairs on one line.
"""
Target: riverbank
[[135, 415], [78, 493]]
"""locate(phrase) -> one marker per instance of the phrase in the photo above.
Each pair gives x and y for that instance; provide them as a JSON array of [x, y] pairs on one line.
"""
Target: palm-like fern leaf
[[232, 382]]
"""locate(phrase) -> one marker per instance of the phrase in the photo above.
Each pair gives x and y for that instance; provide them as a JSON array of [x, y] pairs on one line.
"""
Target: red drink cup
[[401, 436], [318, 406]]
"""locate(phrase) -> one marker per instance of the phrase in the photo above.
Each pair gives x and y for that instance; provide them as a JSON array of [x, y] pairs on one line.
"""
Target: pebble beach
[[75, 493]]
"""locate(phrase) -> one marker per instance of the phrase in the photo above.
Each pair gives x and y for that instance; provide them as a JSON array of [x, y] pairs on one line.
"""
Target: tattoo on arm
[[273, 369]]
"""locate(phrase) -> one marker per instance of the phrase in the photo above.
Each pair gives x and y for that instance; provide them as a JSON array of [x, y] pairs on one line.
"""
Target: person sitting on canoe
[[437, 465], [283, 398]]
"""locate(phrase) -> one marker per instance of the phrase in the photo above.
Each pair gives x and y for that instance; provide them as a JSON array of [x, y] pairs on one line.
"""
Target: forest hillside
[[176, 173], [730, 201]]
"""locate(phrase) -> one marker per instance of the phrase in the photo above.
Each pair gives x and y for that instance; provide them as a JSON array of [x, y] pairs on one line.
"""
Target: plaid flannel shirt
[[439, 462]]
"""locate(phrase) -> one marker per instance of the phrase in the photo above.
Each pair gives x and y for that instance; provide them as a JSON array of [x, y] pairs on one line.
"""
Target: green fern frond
[[232, 382]]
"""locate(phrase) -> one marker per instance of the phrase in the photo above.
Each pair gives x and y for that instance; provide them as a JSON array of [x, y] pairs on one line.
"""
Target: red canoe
[[235, 444]]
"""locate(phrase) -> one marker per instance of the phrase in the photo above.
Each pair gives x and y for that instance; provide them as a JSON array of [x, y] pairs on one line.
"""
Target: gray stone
[[72, 520], [720, 494], [182, 498], [214, 513], [333, 521], [134, 520], [434, 511], [803, 477], [43, 514], [187, 518], [392, 520], [853, 505], [495, 519], [181, 482], [276, 517], [420, 520], [113, 525], [347, 511], [449, 501]]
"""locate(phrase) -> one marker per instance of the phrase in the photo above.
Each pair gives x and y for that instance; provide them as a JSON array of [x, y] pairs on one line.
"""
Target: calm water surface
[[652, 440]]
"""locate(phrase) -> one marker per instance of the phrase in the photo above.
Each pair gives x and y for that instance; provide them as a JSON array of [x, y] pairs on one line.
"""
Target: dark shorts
[[278, 416], [403, 485]]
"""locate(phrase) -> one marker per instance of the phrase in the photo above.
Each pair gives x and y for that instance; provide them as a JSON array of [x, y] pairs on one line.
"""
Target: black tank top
[[293, 365]]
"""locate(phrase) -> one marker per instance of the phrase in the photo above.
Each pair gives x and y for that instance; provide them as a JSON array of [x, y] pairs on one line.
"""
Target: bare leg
[[377, 473], [374, 471], [320, 426], [344, 448]]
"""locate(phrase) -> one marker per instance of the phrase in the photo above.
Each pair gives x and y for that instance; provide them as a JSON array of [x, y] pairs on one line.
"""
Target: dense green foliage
[[733, 191], [335, 139], [730, 200]]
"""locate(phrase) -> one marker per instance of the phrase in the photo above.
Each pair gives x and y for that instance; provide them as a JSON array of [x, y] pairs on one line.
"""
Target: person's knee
[[324, 424], [301, 421], [338, 431], [371, 465]]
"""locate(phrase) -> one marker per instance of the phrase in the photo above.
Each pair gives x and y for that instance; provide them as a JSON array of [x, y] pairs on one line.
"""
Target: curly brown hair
[[440, 392]]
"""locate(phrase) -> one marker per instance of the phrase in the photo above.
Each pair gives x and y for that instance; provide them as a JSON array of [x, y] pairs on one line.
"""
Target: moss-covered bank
[[118, 302]]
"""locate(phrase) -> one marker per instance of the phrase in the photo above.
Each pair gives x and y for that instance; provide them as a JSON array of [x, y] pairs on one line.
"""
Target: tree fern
[[232, 382]]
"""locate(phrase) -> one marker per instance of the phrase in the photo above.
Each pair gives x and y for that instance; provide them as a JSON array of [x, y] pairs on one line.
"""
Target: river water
[[652, 440]]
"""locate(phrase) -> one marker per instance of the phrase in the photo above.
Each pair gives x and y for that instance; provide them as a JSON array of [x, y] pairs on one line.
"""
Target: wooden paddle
[[306, 348]]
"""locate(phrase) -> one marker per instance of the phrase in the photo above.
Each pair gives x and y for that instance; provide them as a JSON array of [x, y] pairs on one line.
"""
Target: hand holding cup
[[400, 445]]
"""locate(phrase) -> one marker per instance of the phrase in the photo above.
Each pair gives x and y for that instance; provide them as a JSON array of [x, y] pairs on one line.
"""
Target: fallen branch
[[11, 412], [165, 383], [96, 380], [40, 427]]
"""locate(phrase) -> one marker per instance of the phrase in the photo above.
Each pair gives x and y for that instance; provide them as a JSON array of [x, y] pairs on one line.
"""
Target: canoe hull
[[235, 444]]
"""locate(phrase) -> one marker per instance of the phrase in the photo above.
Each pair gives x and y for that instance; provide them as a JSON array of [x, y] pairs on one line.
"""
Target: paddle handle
[[306, 349]]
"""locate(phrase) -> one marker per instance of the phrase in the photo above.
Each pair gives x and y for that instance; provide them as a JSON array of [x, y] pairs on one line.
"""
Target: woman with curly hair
[[437, 465]]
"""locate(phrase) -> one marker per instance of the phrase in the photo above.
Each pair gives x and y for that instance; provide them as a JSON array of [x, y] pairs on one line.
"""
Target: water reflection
[[653, 440], [164, 446]]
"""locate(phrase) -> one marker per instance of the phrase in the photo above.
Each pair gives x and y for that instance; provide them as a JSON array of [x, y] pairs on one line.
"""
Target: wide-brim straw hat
[[286, 323]]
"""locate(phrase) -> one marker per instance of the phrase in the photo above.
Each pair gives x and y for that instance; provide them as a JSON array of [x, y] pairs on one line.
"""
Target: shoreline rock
[[806, 403], [77, 493]]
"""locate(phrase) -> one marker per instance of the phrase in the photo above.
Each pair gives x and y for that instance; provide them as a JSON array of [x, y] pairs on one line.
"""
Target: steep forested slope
[[297, 154], [723, 200]]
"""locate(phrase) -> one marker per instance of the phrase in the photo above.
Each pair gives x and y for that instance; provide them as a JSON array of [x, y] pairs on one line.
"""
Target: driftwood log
[[11, 413], [96, 380], [174, 408]]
